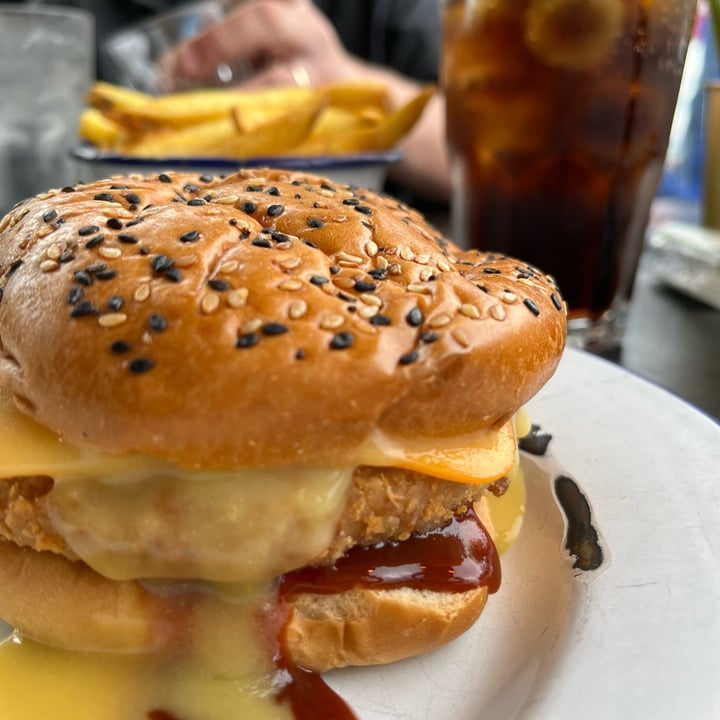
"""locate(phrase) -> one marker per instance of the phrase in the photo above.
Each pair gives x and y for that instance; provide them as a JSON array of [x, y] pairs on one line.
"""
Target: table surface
[[674, 341]]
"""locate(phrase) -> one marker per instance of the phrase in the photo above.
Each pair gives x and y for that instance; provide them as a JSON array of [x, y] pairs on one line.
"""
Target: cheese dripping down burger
[[267, 386]]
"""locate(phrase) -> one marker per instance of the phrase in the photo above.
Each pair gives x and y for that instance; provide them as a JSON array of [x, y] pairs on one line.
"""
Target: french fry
[[223, 138], [96, 128], [382, 136], [357, 95]]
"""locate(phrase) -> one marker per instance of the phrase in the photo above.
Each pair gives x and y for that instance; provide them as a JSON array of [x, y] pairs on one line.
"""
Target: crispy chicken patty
[[383, 504]]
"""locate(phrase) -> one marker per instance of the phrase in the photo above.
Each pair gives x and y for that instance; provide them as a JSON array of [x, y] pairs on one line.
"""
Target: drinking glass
[[558, 118], [47, 64]]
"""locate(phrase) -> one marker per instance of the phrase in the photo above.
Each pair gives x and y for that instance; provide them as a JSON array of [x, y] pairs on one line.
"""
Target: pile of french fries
[[337, 119]]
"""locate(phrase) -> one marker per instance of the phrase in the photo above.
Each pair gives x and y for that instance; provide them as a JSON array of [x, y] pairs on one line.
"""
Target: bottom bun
[[375, 627], [66, 604]]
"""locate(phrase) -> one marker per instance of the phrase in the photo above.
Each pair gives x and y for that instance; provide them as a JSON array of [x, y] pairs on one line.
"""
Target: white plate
[[638, 638]]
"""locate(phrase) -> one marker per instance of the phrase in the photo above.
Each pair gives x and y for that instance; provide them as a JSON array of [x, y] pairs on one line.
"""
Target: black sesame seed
[[162, 177], [409, 358], [272, 190], [275, 210], [346, 298], [334, 269], [233, 221], [261, 242], [84, 308], [429, 337], [108, 274], [297, 196], [119, 347], [300, 354], [14, 265], [191, 188], [88, 230], [206, 178], [415, 317], [318, 280], [107, 197], [273, 328], [481, 287], [115, 302], [161, 263], [362, 286], [279, 237], [556, 301], [114, 223], [136, 221], [380, 320], [531, 306], [492, 271], [325, 186], [66, 256], [378, 273], [190, 236], [157, 322], [248, 340], [310, 244], [94, 242], [143, 251], [141, 365], [315, 223], [254, 188], [133, 198], [75, 295], [49, 215], [366, 224], [351, 201], [128, 239], [173, 274], [95, 267], [68, 189], [219, 285], [196, 202], [297, 183], [341, 341], [364, 209], [82, 277], [248, 207], [119, 187]]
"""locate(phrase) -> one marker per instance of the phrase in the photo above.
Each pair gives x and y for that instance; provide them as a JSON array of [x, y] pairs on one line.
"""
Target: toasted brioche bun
[[124, 301], [64, 603]]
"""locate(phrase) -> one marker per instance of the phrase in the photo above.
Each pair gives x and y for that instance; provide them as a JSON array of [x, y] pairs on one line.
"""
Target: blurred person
[[396, 42]]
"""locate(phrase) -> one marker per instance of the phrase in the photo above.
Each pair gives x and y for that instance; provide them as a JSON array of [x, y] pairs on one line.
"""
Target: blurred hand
[[285, 42]]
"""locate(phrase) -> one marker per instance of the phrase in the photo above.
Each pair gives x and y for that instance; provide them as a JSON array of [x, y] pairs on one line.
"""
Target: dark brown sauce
[[458, 557]]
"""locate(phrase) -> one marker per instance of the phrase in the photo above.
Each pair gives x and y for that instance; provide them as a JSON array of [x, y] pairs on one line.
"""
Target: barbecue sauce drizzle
[[457, 557]]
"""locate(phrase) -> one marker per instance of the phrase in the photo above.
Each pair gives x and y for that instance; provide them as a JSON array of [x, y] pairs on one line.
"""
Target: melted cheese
[[222, 672]]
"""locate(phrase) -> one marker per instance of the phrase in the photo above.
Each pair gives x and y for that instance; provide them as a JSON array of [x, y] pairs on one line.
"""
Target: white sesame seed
[[321, 204], [327, 193], [443, 266], [439, 321], [418, 288], [142, 293], [347, 264], [422, 259], [347, 257], [251, 326], [344, 282], [290, 263], [54, 251], [147, 338], [185, 261], [228, 266], [370, 299], [339, 218], [367, 311], [332, 321], [328, 289], [45, 230], [509, 297], [210, 302], [237, 298], [371, 248], [110, 320], [469, 310], [297, 309], [497, 312], [406, 253], [226, 200], [381, 262], [109, 253], [290, 284], [394, 269], [460, 337], [426, 274], [49, 265]]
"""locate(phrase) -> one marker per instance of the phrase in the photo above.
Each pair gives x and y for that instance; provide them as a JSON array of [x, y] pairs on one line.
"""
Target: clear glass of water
[[47, 64]]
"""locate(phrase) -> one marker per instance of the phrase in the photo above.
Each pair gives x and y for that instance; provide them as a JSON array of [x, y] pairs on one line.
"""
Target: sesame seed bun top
[[267, 318]]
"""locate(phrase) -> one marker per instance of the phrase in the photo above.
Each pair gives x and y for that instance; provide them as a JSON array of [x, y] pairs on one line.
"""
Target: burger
[[249, 427]]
